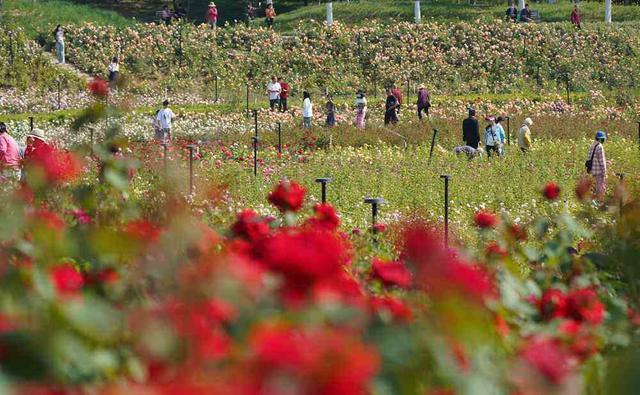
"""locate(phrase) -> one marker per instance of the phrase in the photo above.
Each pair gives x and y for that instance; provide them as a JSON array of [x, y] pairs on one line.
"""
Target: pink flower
[[548, 357]]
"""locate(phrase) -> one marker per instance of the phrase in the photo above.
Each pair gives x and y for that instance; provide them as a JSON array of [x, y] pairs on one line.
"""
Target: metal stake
[[31, 124], [165, 159], [621, 202], [255, 155], [216, 85], [280, 137], [191, 148], [255, 122], [247, 107], [567, 83], [374, 202], [446, 178], [508, 130], [433, 142], [323, 182]]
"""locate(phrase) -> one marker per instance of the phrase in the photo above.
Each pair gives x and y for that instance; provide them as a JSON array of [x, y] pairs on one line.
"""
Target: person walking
[[307, 110], [212, 15], [165, 118], [250, 12], [501, 135], [330, 108], [284, 95], [492, 140], [270, 15], [390, 108], [597, 164], [524, 135], [274, 89], [114, 72], [58, 33], [361, 109], [398, 94], [575, 17], [9, 155], [424, 101], [165, 15], [471, 130]]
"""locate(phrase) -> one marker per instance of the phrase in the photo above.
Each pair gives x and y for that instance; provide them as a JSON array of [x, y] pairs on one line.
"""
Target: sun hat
[[528, 121], [421, 86], [212, 4], [37, 133], [490, 118], [600, 135]]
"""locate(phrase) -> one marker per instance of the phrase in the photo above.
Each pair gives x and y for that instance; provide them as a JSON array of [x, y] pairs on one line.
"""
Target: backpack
[[589, 164]]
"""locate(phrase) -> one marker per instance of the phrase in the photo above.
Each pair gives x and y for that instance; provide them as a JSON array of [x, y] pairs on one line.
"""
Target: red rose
[[66, 279], [485, 219], [584, 305], [551, 191], [394, 306], [548, 357], [326, 217], [391, 273], [494, 250], [98, 87], [288, 196], [250, 225], [552, 304]]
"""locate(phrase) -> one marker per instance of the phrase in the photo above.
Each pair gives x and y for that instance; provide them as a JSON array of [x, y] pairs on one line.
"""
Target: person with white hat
[[524, 135], [212, 15], [36, 143]]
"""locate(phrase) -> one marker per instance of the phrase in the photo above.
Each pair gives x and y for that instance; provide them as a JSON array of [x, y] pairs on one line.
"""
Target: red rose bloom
[[583, 305], [250, 225], [548, 357], [485, 219], [551, 191], [98, 87], [288, 196], [394, 306], [552, 304], [66, 279], [391, 273], [326, 217], [143, 231], [495, 251]]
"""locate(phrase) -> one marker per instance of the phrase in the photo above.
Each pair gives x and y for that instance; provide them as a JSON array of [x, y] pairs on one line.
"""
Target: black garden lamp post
[[324, 181], [433, 143], [374, 202], [255, 154]]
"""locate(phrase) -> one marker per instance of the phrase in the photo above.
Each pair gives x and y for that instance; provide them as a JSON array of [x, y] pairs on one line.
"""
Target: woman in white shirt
[[361, 109], [114, 70], [307, 110]]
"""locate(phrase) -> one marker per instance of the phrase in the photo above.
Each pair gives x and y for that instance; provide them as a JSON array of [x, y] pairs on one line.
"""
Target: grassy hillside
[[354, 13], [33, 15]]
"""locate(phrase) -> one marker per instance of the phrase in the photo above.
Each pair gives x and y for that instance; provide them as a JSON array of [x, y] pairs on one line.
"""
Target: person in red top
[[212, 15], [284, 94], [395, 91], [575, 16], [36, 145]]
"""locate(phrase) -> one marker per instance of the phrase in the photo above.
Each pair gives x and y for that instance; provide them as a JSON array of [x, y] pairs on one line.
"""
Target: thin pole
[[508, 130], [433, 142], [446, 178], [31, 124], [408, 92], [280, 136], [255, 155], [638, 134], [59, 88], [216, 85], [247, 107], [165, 159], [190, 147], [374, 215], [255, 122], [323, 182]]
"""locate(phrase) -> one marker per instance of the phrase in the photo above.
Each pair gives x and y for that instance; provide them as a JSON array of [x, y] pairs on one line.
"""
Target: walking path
[[67, 66]]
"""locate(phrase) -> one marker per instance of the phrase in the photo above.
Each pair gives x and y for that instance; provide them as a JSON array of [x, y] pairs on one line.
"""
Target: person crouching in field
[[596, 164], [524, 135]]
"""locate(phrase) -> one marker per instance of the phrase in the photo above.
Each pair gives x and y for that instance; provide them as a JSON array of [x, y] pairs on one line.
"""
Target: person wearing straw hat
[[9, 155], [212, 15], [36, 144], [424, 101]]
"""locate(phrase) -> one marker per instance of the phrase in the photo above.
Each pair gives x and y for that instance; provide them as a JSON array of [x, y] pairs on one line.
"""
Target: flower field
[[213, 265]]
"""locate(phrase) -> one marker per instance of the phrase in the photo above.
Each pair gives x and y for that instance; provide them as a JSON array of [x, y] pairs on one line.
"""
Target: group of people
[[395, 99], [13, 157], [493, 139], [177, 13], [524, 15], [211, 15]]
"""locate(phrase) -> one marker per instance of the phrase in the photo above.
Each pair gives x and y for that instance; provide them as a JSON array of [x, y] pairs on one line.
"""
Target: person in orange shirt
[[270, 14]]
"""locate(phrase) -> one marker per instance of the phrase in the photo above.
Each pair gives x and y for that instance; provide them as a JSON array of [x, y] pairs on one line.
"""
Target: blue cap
[[600, 135]]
